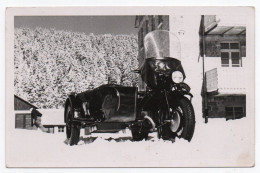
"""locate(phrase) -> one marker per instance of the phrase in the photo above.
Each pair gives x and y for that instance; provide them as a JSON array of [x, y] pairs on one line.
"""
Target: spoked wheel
[[72, 129]]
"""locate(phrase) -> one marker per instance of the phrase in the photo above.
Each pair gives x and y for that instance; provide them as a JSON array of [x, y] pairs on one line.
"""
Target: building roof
[[52, 116], [24, 102], [227, 30], [223, 25]]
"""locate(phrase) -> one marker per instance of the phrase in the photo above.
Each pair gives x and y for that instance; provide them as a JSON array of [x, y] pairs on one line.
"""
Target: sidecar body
[[108, 108]]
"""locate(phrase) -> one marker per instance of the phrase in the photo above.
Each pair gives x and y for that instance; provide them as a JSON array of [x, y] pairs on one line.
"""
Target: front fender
[[174, 96]]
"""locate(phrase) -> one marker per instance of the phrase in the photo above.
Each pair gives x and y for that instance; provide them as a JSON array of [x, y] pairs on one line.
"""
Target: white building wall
[[186, 27]]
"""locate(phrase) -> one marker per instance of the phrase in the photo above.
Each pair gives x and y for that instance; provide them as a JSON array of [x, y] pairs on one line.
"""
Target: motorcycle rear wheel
[[138, 134]]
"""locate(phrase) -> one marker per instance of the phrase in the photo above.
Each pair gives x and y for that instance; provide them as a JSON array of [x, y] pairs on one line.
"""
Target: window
[[160, 19], [140, 18], [23, 121], [239, 111], [224, 45], [153, 23], [230, 55], [225, 59], [235, 59], [147, 26], [60, 129], [160, 22], [50, 129], [229, 111], [234, 112], [141, 37]]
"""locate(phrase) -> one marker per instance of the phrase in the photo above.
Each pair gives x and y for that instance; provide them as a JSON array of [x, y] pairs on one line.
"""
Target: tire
[[72, 129], [138, 134], [164, 131], [75, 134], [188, 119], [206, 120]]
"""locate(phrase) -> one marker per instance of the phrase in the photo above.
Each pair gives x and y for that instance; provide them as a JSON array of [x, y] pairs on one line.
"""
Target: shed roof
[[227, 30], [23, 102]]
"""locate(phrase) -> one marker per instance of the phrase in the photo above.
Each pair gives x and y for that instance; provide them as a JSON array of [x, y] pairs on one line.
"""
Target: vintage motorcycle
[[165, 105]]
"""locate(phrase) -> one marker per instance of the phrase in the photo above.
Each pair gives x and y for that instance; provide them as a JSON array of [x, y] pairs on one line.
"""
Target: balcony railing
[[226, 80]]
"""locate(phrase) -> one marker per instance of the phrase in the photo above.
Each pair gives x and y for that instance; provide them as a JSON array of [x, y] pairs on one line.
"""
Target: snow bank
[[218, 143]]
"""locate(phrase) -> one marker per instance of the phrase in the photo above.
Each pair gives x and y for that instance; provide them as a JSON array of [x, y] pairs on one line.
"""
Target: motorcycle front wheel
[[182, 113], [187, 125]]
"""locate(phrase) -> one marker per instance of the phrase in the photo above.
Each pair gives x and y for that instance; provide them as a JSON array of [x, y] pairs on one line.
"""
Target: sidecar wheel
[[75, 134], [68, 121], [138, 135], [72, 129], [187, 127]]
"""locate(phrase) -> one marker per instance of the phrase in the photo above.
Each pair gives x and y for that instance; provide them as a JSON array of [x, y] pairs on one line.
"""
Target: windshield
[[161, 43]]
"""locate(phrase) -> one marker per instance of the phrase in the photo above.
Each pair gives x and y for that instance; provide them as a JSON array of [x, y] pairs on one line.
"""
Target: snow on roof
[[232, 91], [52, 116], [231, 20]]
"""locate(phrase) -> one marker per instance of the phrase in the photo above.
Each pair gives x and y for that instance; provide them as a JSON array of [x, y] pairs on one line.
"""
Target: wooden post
[[56, 129]]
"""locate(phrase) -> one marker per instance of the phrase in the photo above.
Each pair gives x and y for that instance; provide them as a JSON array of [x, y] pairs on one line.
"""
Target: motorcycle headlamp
[[177, 77]]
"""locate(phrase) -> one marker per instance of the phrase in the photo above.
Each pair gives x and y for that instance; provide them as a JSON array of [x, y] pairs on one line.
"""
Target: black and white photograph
[[130, 87]]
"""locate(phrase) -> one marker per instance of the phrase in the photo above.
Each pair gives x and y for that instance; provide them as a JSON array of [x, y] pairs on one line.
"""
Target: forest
[[49, 64]]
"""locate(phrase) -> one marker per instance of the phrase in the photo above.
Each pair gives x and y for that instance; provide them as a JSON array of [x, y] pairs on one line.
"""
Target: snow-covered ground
[[218, 143]]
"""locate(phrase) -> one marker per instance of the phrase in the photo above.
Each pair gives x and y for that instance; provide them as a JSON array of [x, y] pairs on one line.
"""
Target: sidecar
[[108, 108]]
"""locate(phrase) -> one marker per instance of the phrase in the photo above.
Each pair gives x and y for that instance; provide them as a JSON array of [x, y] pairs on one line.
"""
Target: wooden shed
[[53, 120], [23, 118]]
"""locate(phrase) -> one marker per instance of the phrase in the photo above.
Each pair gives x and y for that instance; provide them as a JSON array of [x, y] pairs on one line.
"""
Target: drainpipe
[[205, 107]]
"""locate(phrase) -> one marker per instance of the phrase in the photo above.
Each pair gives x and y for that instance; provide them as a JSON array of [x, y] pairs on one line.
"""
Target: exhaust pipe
[[148, 122]]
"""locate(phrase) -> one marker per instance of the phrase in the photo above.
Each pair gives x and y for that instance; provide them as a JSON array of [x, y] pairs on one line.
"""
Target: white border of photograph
[[11, 12]]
